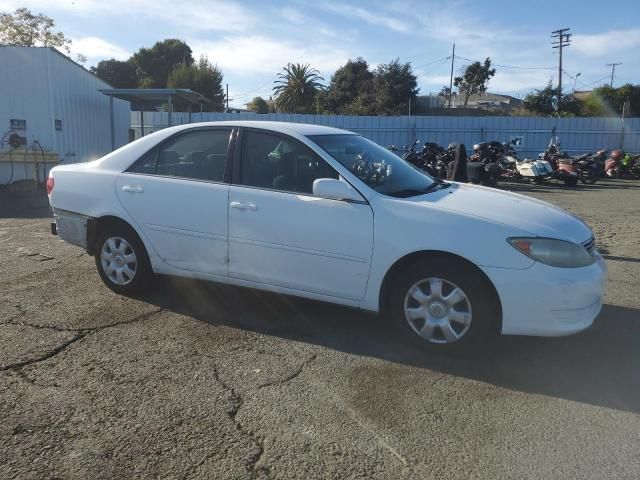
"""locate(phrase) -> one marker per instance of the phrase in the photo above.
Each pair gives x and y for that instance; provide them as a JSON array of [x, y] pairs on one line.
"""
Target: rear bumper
[[548, 301], [70, 227]]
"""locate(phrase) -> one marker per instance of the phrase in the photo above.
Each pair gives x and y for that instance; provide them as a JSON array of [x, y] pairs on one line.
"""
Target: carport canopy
[[142, 99]]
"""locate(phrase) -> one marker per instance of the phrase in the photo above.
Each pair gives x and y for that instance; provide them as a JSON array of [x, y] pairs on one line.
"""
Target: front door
[[177, 196], [281, 234]]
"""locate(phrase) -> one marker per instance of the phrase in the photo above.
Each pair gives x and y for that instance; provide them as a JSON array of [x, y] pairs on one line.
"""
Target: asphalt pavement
[[196, 380]]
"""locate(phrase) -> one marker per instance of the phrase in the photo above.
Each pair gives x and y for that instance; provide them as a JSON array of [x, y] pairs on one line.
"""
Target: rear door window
[[198, 155]]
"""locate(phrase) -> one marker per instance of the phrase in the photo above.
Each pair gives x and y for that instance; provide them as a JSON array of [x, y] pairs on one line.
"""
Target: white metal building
[[48, 98]]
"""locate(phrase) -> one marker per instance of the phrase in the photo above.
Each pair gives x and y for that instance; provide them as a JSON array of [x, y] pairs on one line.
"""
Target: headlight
[[557, 253]]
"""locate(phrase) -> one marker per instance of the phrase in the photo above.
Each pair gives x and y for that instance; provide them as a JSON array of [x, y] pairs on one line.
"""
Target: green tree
[[606, 101], [156, 63], [116, 73], [258, 105], [474, 79], [204, 78], [296, 88], [546, 102], [24, 29], [351, 90], [394, 85]]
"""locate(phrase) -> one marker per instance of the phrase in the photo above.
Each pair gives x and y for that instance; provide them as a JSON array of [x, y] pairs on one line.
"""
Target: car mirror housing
[[335, 190]]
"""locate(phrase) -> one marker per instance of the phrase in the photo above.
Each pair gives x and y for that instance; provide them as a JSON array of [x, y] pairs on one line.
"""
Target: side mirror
[[335, 189]]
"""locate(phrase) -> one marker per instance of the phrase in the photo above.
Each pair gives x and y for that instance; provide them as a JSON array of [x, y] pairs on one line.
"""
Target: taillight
[[49, 185]]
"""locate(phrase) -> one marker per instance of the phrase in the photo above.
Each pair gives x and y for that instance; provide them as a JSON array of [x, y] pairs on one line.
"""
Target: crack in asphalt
[[11, 321], [237, 402], [81, 333], [47, 356], [292, 375]]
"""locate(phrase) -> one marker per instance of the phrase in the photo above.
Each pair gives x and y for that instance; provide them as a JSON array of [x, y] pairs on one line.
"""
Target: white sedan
[[326, 214]]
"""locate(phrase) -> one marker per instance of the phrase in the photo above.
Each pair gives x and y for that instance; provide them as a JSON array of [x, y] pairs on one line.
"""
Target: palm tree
[[296, 87]]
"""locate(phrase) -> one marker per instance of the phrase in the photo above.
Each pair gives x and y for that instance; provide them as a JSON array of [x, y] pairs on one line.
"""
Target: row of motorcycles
[[494, 161]]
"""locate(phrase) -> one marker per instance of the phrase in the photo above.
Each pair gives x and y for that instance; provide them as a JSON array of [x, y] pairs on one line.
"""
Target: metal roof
[[146, 96]]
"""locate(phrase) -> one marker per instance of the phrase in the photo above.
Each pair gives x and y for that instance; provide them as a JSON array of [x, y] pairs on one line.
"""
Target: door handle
[[133, 189], [243, 205]]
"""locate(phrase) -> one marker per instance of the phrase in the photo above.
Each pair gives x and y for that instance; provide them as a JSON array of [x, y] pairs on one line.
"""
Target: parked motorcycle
[[533, 170], [622, 165], [564, 167], [482, 166]]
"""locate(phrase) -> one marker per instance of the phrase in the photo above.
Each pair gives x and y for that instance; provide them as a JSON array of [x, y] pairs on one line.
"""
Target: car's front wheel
[[443, 304], [122, 260]]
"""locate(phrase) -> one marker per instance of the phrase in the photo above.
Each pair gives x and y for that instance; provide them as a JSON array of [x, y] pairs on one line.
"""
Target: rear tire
[[571, 182], [588, 177], [122, 260], [445, 305]]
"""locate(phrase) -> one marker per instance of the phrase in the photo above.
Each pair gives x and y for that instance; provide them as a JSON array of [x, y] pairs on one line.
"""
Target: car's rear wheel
[[122, 260], [441, 303]]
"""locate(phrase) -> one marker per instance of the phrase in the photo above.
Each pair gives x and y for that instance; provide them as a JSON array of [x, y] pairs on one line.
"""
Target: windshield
[[376, 166]]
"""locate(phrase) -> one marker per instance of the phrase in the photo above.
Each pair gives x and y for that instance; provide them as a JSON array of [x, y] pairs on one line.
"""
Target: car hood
[[536, 217]]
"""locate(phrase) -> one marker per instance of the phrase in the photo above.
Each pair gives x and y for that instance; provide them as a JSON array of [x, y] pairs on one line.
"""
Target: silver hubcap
[[119, 261], [437, 310]]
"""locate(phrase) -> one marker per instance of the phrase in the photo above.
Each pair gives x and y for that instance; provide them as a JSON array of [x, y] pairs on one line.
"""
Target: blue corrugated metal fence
[[578, 135]]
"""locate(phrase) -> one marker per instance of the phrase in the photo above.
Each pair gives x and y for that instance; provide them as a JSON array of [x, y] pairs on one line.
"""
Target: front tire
[[571, 182], [122, 260], [588, 177], [441, 304]]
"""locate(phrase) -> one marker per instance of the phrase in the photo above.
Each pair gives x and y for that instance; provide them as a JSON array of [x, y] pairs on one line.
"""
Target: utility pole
[[613, 69], [227, 96], [453, 57], [561, 41]]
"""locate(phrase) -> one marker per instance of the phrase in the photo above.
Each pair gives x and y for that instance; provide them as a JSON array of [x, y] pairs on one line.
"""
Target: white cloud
[[373, 18], [200, 15], [259, 54], [293, 15], [97, 48], [604, 43]]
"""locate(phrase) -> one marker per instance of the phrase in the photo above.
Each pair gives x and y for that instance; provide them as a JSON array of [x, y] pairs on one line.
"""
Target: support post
[[189, 113], [141, 123], [170, 108], [112, 122], [453, 57]]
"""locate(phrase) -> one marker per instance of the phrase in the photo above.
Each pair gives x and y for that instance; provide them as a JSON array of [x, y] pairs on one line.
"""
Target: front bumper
[[547, 301]]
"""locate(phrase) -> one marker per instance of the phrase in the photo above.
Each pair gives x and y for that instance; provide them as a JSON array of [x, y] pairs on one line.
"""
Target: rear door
[[281, 234], [177, 195]]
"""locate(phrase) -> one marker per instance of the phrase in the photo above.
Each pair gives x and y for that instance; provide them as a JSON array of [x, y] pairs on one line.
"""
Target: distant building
[[48, 98], [487, 101]]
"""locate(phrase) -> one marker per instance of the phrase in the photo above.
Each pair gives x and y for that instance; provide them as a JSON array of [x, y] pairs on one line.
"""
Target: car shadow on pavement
[[600, 366]]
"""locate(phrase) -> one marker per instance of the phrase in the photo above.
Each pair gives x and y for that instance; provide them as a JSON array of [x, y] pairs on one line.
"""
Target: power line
[[244, 94], [442, 60], [599, 80], [508, 66]]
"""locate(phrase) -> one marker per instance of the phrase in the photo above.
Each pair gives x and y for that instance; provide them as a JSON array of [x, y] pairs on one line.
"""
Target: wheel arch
[[425, 255], [96, 225]]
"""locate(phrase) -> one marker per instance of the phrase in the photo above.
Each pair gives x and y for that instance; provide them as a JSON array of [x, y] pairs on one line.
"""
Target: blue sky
[[251, 40]]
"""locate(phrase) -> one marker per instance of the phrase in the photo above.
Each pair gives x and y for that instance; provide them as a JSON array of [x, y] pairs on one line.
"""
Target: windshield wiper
[[414, 192]]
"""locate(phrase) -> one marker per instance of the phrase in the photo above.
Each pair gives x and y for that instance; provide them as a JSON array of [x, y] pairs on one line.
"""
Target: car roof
[[122, 158], [281, 127]]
